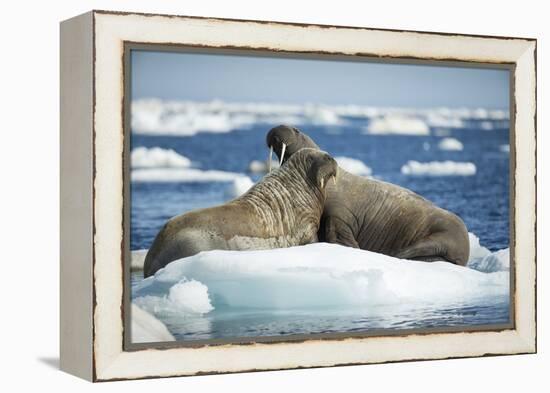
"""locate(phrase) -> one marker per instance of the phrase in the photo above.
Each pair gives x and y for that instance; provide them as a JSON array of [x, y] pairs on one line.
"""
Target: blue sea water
[[482, 201]]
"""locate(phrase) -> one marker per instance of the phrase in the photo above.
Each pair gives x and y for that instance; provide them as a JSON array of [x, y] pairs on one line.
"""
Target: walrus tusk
[[322, 182], [334, 180], [270, 157], [282, 154]]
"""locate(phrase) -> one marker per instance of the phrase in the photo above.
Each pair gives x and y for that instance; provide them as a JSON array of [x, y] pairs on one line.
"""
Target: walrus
[[282, 210], [379, 216]]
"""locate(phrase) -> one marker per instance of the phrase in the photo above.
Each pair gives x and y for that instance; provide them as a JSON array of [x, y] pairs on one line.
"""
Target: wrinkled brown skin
[[282, 210], [381, 217]]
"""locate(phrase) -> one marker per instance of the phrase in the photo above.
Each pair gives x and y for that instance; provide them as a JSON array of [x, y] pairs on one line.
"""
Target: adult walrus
[[378, 216], [282, 210]]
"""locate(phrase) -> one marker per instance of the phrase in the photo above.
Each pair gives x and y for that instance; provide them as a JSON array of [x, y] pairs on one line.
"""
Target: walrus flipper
[[428, 250], [337, 232]]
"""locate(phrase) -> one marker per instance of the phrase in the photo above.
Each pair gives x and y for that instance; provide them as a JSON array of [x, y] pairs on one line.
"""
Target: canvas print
[[281, 197]]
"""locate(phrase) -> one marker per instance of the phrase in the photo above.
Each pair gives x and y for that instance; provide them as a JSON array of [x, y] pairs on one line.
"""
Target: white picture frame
[[92, 193]]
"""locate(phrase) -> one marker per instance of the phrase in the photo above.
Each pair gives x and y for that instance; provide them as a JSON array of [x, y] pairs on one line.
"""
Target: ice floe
[[261, 167], [156, 157], [157, 165], [186, 118], [438, 168], [450, 144], [354, 166], [137, 259], [492, 262], [238, 187], [482, 259], [486, 125], [477, 253], [396, 124], [146, 328], [442, 121], [314, 275], [183, 175], [152, 116]]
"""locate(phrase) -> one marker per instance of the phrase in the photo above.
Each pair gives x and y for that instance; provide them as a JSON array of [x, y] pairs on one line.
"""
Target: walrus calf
[[282, 210], [378, 216]]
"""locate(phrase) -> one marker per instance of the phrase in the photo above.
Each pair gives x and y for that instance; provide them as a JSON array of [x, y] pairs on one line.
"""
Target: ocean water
[[236, 322], [481, 200]]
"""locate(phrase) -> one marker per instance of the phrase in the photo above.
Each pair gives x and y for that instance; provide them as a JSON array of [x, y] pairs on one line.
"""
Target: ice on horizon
[[400, 125], [187, 118]]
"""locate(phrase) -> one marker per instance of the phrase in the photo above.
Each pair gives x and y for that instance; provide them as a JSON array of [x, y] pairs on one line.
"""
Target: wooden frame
[[92, 193]]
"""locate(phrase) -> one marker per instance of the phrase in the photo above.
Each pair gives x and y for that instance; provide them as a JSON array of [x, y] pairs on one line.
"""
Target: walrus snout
[[279, 135], [286, 140], [279, 139], [322, 168], [330, 172]]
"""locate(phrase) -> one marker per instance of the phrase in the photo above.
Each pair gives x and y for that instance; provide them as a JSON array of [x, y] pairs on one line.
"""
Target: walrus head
[[318, 165], [286, 141]]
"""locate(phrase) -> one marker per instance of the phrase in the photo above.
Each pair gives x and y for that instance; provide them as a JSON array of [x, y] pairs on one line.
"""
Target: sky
[[233, 78]]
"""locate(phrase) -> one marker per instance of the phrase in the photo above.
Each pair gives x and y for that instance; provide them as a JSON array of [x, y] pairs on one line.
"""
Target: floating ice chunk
[[504, 148], [147, 328], [493, 262], [137, 259], [398, 124], [354, 166], [189, 175], [449, 121], [480, 113], [156, 157], [184, 296], [486, 125], [257, 166], [238, 187], [191, 296], [483, 260], [498, 114], [450, 144], [357, 111], [322, 115], [438, 168], [477, 251], [314, 275]]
